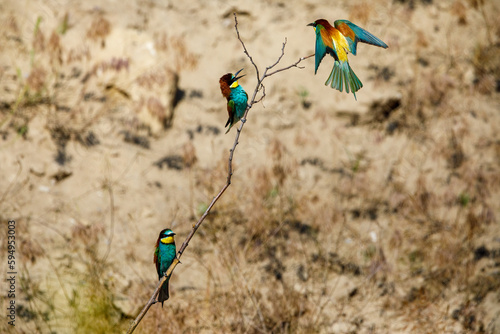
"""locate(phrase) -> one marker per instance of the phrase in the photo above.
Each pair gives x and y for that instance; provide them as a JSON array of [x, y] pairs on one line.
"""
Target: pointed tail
[[230, 125], [163, 294], [343, 75]]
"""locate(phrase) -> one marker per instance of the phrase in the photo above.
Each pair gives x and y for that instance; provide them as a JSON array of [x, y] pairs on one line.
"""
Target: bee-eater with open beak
[[338, 41], [164, 255], [236, 97]]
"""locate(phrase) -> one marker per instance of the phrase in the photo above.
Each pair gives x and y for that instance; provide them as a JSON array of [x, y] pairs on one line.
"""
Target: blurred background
[[379, 215]]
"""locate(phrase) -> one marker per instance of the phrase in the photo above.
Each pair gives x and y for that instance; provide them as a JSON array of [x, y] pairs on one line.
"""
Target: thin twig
[[281, 56], [244, 47], [251, 102], [152, 300], [293, 65], [265, 74], [109, 188], [263, 93]]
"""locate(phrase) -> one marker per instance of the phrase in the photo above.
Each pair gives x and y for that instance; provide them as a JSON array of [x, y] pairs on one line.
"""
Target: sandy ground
[[374, 216]]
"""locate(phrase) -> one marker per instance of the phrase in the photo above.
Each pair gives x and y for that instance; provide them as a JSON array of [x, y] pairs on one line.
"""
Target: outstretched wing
[[355, 34]]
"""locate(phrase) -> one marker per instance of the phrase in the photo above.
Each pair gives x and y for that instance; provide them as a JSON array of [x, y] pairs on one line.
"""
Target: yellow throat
[[167, 240]]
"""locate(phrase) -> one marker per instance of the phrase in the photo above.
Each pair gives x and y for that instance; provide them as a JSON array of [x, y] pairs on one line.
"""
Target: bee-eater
[[236, 97], [164, 255], [338, 41]]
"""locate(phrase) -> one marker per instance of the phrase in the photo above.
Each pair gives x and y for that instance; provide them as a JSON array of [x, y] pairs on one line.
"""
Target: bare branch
[[279, 58], [290, 66], [244, 47], [259, 86], [152, 300], [263, 93]]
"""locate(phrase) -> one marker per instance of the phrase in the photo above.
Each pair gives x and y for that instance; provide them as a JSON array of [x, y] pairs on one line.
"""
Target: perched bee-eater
[[164, 255], [236, 97], [338, 41]]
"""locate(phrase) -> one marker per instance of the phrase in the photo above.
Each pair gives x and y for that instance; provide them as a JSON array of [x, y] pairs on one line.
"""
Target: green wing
[[355, 34], [320, 49], [230, 111], [157, 260]]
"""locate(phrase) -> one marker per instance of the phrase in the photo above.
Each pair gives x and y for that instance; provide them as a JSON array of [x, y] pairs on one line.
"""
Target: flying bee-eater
[[338, 41], [236, 97], [164, 255]]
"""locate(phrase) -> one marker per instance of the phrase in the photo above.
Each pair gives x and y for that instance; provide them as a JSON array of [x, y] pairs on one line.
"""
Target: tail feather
[[163, 295], [338, 79], [346, 81], [230, 125], [343, 75]]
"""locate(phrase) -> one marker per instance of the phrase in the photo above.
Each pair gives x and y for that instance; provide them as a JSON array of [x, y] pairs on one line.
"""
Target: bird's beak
[[310, 24], [236, 77]]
